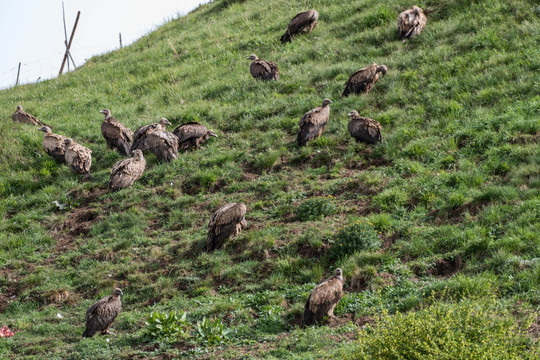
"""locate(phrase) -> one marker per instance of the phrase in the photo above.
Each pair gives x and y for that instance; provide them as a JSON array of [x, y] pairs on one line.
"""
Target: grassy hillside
[[452, 194]]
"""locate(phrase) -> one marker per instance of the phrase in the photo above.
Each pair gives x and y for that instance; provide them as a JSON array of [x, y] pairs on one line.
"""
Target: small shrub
[[167, 327], [316, 208], [353, 238], [211, 332]]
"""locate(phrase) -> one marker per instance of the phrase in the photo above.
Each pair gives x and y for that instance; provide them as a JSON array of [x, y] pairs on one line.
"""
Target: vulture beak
[[42, 129], [103, 112], [121, 292], [167, 122]]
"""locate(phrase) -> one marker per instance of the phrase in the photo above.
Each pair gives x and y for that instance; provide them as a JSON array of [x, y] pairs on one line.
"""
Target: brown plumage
[[227, 221], [53, 144], [262, 69], [116, 134], [25, 118], [125, 172], [163, 144], [303, 22], [411, 22], [101, 314], [192, 135], [364, 129], [313, 123], [323, 299], [78, 157], [140, 138], [361, 81]]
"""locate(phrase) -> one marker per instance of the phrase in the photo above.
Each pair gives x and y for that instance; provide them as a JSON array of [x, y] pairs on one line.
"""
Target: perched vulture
[[411, 22], [78, 157], [125, 172], [262, 69], [313, 123], [323, 299], [25, 118], [364, 129], [301, 23], [117, 135], [192, 135], [101, 314], [227, 221], [140, 138], [163, 144], [363, 80], [53, 144]]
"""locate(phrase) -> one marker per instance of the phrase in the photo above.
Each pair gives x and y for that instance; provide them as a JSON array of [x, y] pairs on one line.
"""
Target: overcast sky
[[32, 31]]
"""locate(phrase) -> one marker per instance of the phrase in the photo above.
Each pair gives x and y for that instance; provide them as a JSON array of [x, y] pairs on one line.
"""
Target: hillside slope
[[452, 193]]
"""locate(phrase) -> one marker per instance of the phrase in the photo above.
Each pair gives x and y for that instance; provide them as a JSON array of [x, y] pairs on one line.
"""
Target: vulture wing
[[117, 135], [25, 118], [410, 23], [266, 70], [226, 221], [163, 144], [125, 172], [322, 301], [101, 314], [189, 131], [79, 158], [365, 129], [361, 81], [312, 124], [54, 146], [302, 22], [140, 138]]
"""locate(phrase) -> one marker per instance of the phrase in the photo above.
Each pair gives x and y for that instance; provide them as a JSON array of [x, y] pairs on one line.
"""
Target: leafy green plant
[[167, 327], [316, 208], [211, 332], [353, 238]]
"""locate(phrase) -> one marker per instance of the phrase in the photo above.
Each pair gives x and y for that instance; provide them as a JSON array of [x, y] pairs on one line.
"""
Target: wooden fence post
[[69, 43], [18, 73]]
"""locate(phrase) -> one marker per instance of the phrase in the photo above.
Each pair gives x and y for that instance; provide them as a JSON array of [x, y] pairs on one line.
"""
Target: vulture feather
[[25, 118], [116, 134], [163, 144], [303, 22], [227, 221], [313, 123], [140, 138], [78, 157], [101, 314], [125, 172], [262, 69], [192, 135], [364, 129], [54, 144], [411, 22], [323, 299], [363, 80]]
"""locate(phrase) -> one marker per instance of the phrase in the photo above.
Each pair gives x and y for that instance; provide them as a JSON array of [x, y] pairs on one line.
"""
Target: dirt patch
[[447, 267], [534, 329]]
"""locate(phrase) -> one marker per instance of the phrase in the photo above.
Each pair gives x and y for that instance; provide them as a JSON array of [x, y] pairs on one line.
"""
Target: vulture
[[25, 118], [227, 221], [262, 69], [125, 172], [163, 144], [301, 23], [78, 157], [364, 129], [101, 314], [117, 135], [363, 80], [323, 299], [313, 123], [411, 22], [53, 144], [140, 138], [192, 135]]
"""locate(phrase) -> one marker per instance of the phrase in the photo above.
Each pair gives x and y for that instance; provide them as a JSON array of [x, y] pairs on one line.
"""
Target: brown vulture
[[363, 80], [25, 118], [323, 299], [262, 69], [411, 22], [53, 144], [125, 172], [303, 22], [227, 221], [140, 138], [163, 144], [78, 157], [101, 314], [364, 129], [117, 135], [192, 135], [313, 123]]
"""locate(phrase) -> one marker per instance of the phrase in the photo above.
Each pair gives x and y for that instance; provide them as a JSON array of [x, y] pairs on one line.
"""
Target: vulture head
[[211, 133], [164, 122], [339, 274], [106, 112], [68, 142], [253, 57], [353, 113], [19, 108], [326, 102], [382, 69], [138, 154], [45, 129], [118, 291]]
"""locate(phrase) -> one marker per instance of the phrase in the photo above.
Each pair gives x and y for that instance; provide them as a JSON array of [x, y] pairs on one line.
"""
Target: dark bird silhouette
[[78, 157], [361, 81], [125, 172], [116, 134], [25, 118], [140, 138], [192, 135], [54, 144], [227, 221], [163, 144], [323, 299], [262, 69], [364, 129], [313, 123], [101, 314], [303, 22], [411, 22]]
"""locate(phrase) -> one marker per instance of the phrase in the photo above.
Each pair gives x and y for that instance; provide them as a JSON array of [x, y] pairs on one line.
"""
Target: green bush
[[316, 208], [167, 327], [353, 238], [211, 332]]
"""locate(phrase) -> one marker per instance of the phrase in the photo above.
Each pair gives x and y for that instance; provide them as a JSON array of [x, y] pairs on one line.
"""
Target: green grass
[[452, 191]]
